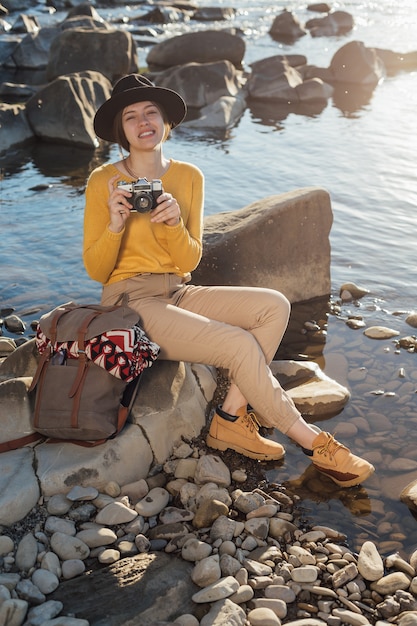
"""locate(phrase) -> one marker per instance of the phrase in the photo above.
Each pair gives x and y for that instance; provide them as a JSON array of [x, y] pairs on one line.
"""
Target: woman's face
[[143, 125]]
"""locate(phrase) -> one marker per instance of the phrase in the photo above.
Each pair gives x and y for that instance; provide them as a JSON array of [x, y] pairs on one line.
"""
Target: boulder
[[13, 6], [222, 114], [13, 92], [319, 7], [21, 362], [314, 394], [15, 408], [201, 84], [61, 466], [281, 79], [14, 125], [163, 15], [273, 64], [169, 395], [336, 23], [86, 9], [63, 111], [355, 63], [33, 51], [110, 52], [171, 405], [395, 62], [286, 27], [7, 48], [197, 47], [213, 14], [275, 80], [25, 24], [134, 590], [293, 226], [19, 487], [87, 22], [313, 90]]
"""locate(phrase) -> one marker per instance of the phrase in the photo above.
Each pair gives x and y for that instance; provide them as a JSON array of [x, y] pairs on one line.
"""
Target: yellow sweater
[[142, 246]]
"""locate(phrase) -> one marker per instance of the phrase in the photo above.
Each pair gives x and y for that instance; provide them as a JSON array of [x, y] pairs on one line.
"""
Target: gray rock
[[211, 469], [67, 547], [19, 488], [33, 51], [219, 590], [13, 611], [76, 50], [203, 84], [197, 47], [15, 127], [286, 27], [224, 612], [295, 225], [335, 23], [317, 394], [38, 615], [355, 63], [153, 585], [27, 552], [64, 109], [115, 513]]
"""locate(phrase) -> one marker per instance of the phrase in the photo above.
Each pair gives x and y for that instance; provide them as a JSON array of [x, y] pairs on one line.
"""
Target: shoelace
[[330, 447], [252, 421]]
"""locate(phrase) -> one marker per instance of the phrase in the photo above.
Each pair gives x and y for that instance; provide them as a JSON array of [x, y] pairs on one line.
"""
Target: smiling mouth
[[147, 133]]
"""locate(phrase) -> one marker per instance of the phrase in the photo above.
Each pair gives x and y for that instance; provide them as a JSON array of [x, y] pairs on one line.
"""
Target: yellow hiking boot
[[242, 435], [338, 463]]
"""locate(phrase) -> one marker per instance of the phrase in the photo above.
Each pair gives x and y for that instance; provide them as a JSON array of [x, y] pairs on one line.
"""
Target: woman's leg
[[264, 312], [231, 328], [205, 332]]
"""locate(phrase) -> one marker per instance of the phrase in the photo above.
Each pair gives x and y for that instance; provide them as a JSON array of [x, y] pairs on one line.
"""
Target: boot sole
[[346, 483], [222, 445]]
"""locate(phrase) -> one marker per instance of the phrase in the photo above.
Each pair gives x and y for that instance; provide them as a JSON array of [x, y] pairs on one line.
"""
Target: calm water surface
[[363, 151]]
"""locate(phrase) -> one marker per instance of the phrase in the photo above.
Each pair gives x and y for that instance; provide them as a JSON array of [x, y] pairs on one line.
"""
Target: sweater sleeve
[[101, 246]]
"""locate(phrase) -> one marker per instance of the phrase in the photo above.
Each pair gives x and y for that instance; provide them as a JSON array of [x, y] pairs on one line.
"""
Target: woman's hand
[[119, 205], [167, 211]]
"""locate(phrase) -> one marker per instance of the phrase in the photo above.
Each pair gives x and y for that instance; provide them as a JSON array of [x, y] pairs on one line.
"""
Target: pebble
[[72, 568], [6, 545], [219, 590], [207, 571], [380, 332], [115, 513], [82, 493], [208, 512], [195, 550], [370, 564], [352, 291], [153, 503], [27, 552], [263, 617]]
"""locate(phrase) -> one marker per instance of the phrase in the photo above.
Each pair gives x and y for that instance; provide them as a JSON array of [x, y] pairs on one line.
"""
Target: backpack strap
[[14, 444]]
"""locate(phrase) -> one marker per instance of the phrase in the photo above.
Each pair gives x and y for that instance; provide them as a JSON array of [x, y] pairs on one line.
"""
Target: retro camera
[[144, 193]]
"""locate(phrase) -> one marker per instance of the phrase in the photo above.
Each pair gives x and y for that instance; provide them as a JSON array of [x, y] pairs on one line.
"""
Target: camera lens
[[143, 202]]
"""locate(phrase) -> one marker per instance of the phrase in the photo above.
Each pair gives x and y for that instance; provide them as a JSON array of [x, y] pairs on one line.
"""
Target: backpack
[[91, 360]]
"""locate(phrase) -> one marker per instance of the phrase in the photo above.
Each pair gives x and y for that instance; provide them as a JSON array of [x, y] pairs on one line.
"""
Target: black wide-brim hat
[[137, 88]]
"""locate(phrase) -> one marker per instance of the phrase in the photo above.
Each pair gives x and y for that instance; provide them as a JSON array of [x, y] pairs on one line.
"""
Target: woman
[[144, 258]]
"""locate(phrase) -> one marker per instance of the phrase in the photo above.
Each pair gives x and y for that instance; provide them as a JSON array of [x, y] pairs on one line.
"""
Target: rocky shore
[[195, 544], [204, 540]]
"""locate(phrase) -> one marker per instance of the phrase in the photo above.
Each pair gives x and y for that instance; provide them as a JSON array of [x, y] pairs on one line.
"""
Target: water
[[363, 153]]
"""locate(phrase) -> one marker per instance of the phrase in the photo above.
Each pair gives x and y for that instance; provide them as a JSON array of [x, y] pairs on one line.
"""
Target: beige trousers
[[235, 328]]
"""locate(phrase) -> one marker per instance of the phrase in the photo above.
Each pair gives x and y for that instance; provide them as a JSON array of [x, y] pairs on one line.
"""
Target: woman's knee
[[277, 304]]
